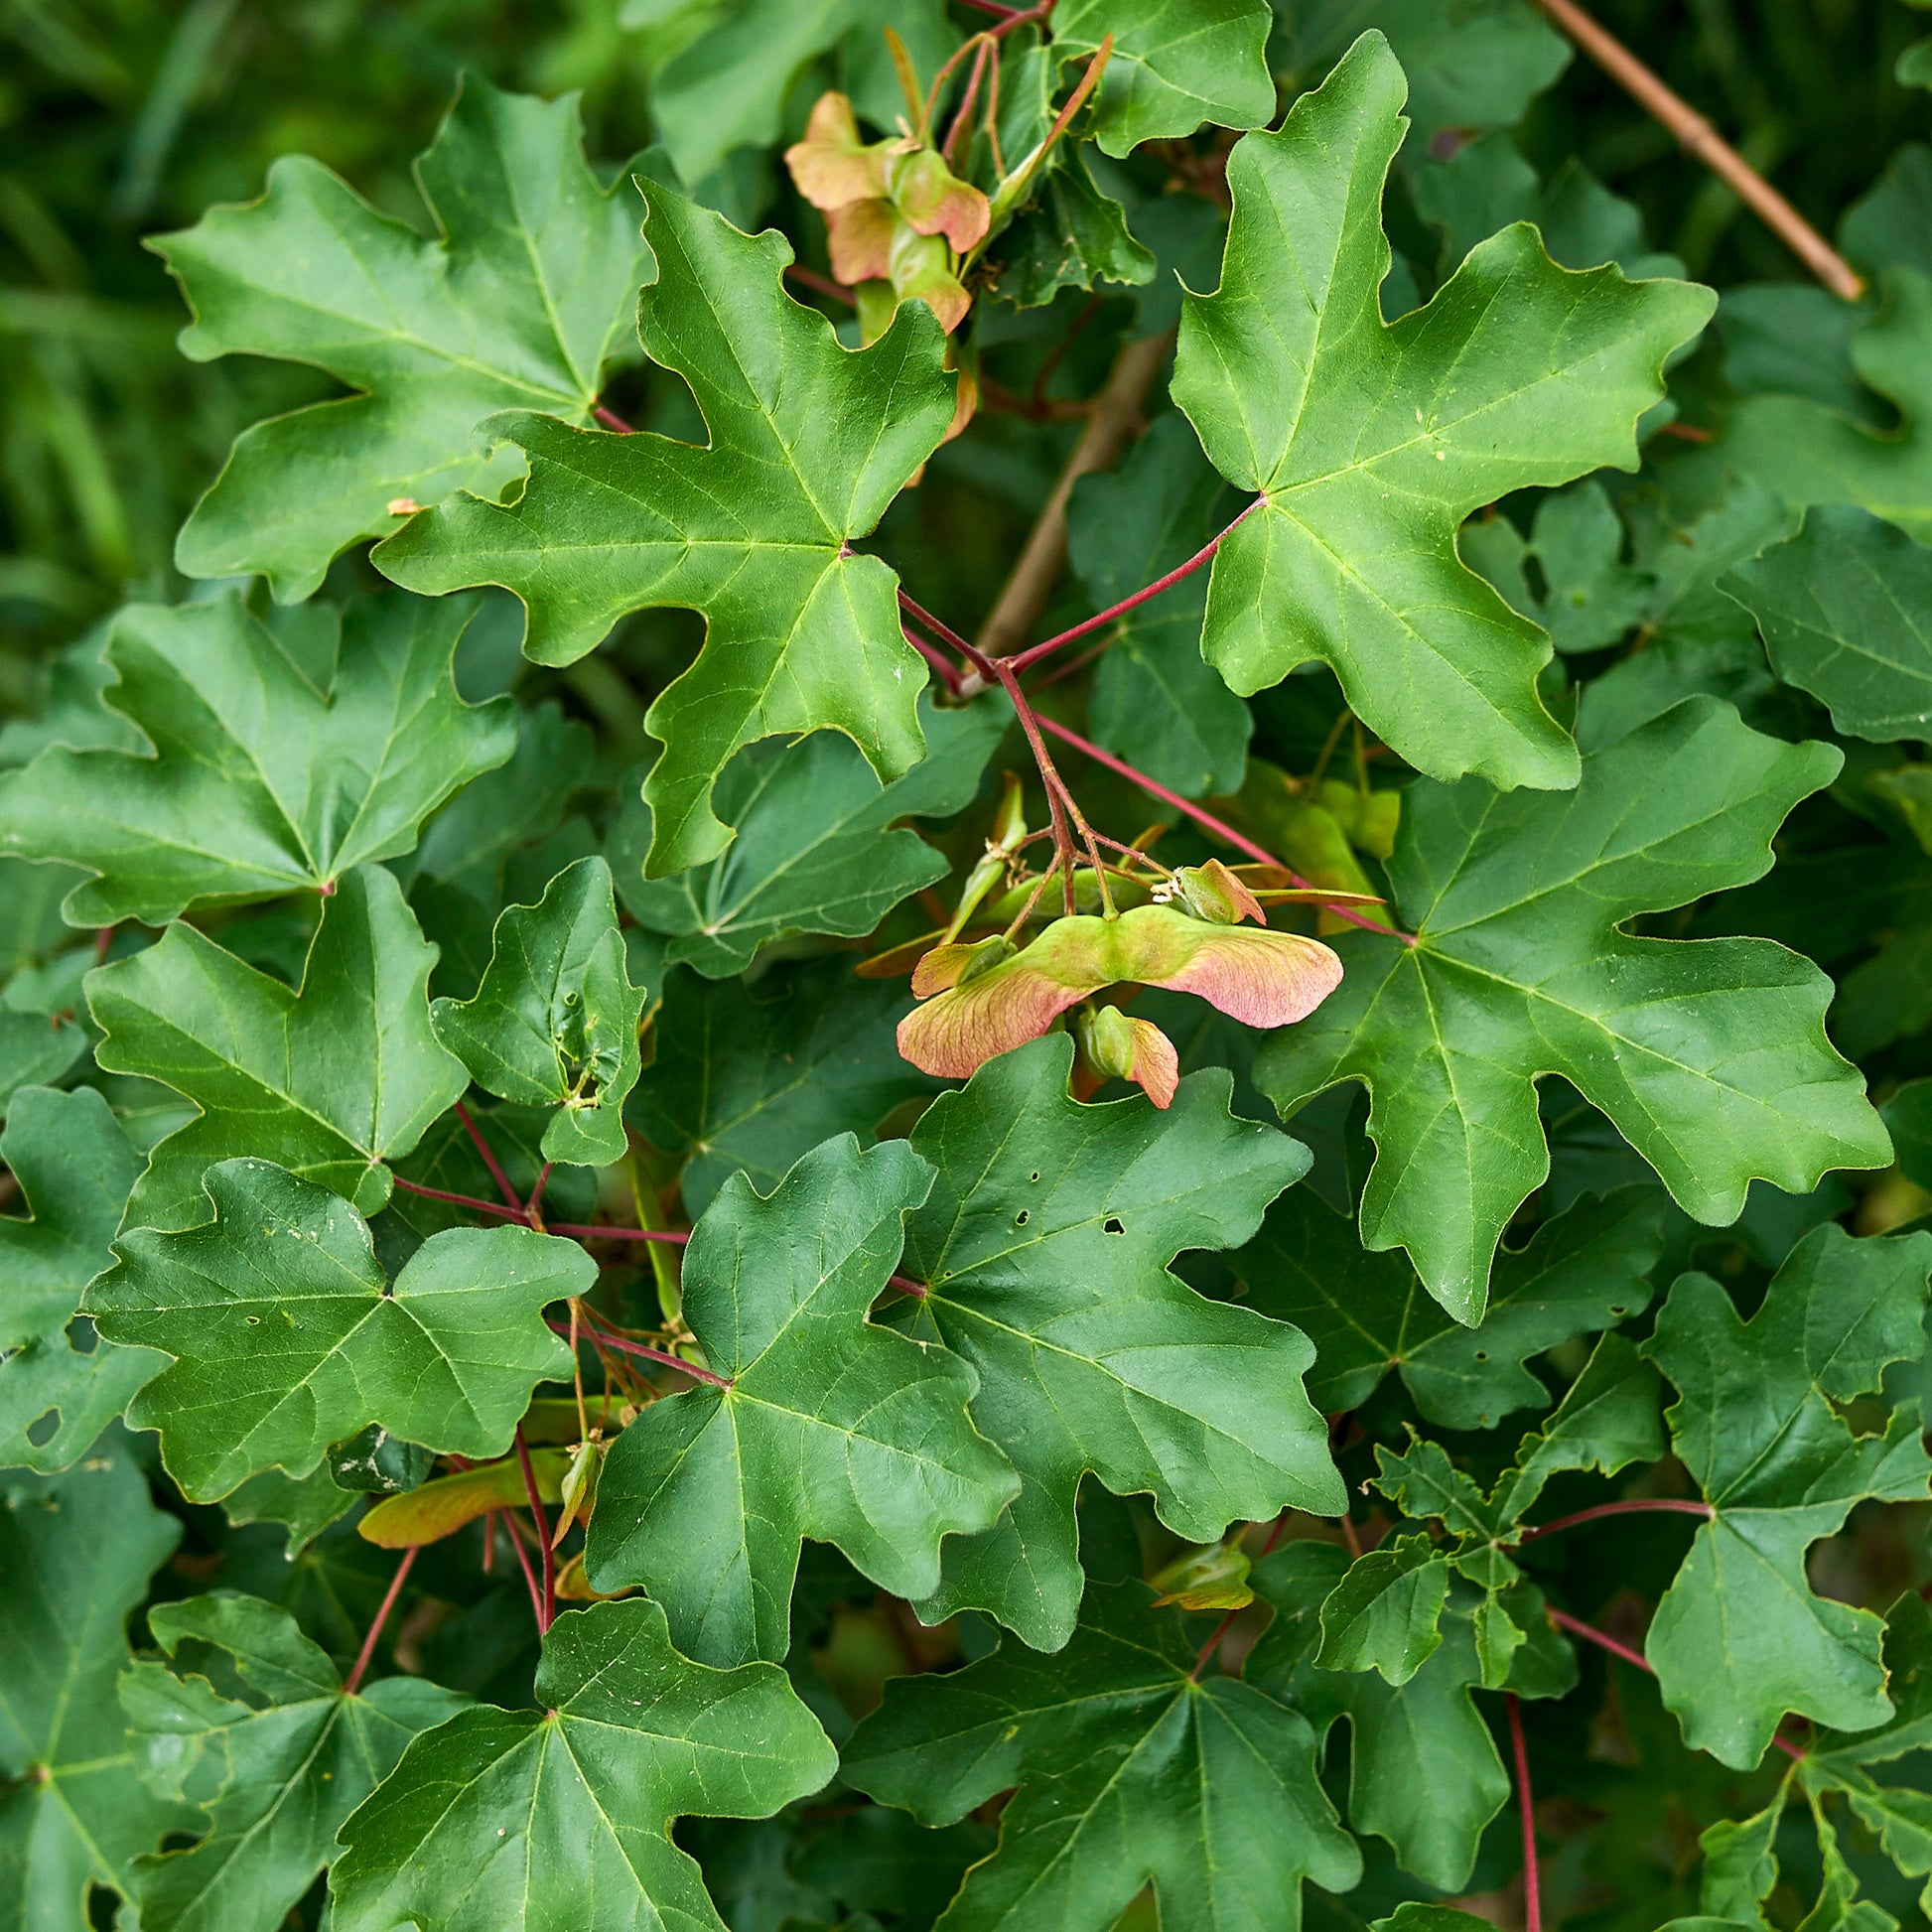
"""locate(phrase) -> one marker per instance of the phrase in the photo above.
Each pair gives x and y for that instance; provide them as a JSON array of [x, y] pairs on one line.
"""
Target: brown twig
[[1704, 143], [1115, 416], [810, 278]]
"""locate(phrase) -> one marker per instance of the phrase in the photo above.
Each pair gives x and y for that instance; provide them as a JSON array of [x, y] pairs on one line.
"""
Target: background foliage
[[999, 1358]]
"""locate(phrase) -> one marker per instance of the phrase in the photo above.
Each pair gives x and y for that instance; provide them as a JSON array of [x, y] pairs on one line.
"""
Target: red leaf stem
[[490, 1159], [1638, 1506], [810, 278], [1578, 1629], [459, 1200], [948, 676], [1526, 1806], [651, 1354], [1156, 789], [611, 420], [548, 1611], [536, 1195], [355, 1680], [1035, 653], [529, 1575]]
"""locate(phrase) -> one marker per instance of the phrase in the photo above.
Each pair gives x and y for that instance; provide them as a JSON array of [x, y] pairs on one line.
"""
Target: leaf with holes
[[554, 1023], [1044, 1246], [74, 1167], [276, 1768]]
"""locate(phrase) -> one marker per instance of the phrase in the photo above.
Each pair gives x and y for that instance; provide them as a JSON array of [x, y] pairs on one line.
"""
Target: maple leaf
[[1807, 452], [1044, 1247], [1709, 1056], [1130, 1771], [749, 1078], [276, 1769], [74, 1167], [1176, 65], [329, 1079], [1423, 1769], [1367, 1313], [261, 781], [286, 1338], [818, 844], [1368, 444], [76, 1555], [555, 1021], [566, 1810], [1154, 701], [809, 444], [817, 1422], [1740, 1638], [521, 302], [1843, 608]]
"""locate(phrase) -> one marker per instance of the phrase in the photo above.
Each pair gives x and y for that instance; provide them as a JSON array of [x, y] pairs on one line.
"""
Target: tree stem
[[353, 1682], [1033, 653], [458, 1201], [1115, 417], [529, 1575], [1578, 1629], [1637, 1506], [1704, 143], [489, 1161], [1526, 1806], [547, 1613], [1154, 788]]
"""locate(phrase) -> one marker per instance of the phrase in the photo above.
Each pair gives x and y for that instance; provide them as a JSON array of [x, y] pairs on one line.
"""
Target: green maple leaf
[[1423, 1773], [1898, 1816], [276, 1768], [521, 303], [809, 444], [1807, 452], [1740, 1637], [1369, 444], [554, 1023], [1044, 1246], [74, 1167], [1367, 1313], [35, 1048], [1846, 611], [562, 1814], [828, 1426], [1176, 65], [261, 781], [286, 1338], [1156, 701], [1129, 1770], [817, 845], [1709, 1056], [328, 1081], [75, 1554], [748, 1078]]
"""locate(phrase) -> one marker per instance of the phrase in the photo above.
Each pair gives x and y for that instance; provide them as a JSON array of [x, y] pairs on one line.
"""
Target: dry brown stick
[[1115, 416], [1704, 143]]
